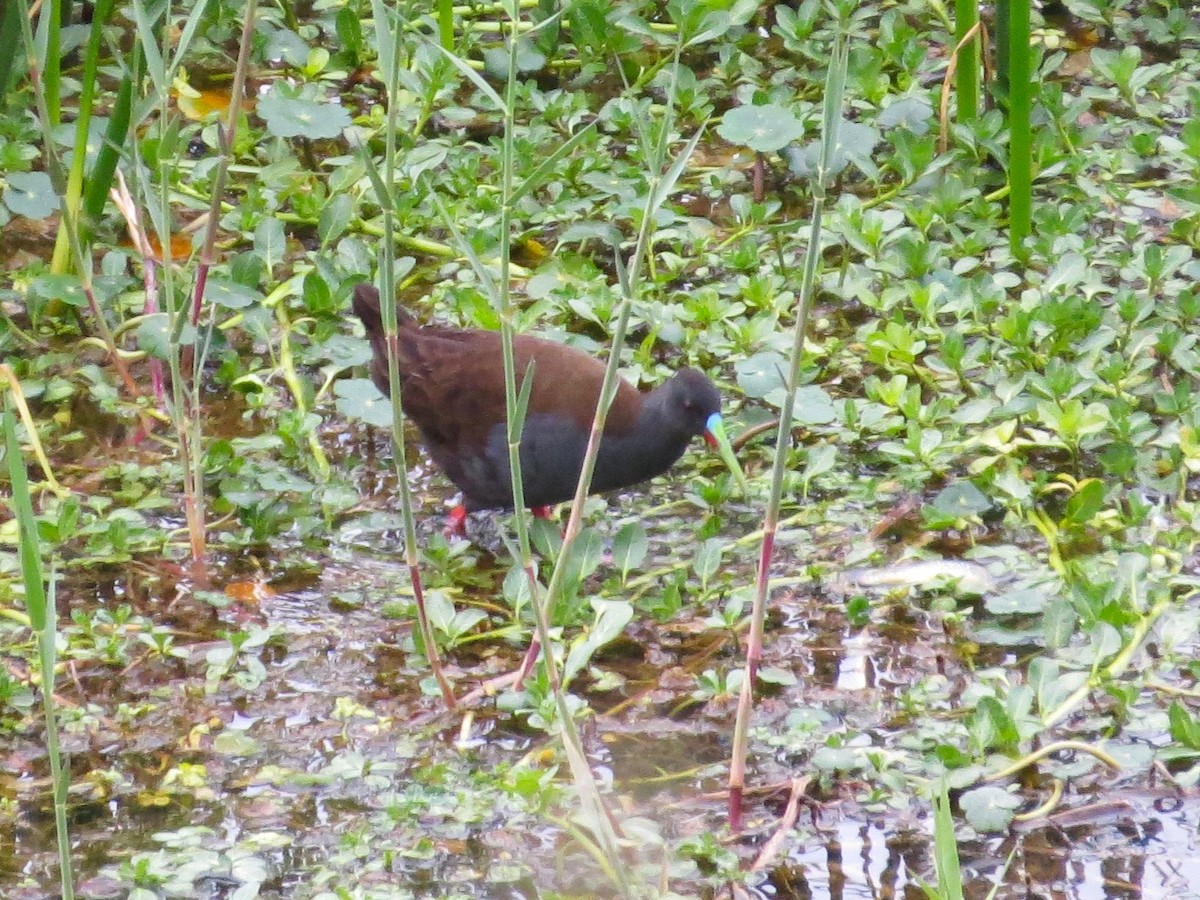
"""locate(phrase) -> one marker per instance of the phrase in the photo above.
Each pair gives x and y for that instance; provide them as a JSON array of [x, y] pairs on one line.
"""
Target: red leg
[[456, 522]]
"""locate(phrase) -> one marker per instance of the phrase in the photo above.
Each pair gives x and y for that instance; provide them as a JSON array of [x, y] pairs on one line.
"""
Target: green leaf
[[235, 743], [1105, 640], [761, 374], [854, 145], [358, 398], [629, 547], [349, 31], [1020, 601], [65, 288], [342, 351], [30, 194], [1085, 503], [813, 405], [586, 553], [708, 559], [989, 809], [465, 620], [913, 113], [154, 335], [1058, 623], [836, 759], [765, 129], [286, 46], [992, 727], [270, 242], [29, 548], [611, 618], [335, 217], [440, 610], [289, 114], [318, 298], [230, 294], [945, 846], [951, 756], [961, 500], [820, 460], [1184, 727], [495, 60], [776, 675], [280, 481]]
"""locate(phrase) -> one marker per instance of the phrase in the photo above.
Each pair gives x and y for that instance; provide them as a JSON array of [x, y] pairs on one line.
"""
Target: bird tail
[[366, 306]]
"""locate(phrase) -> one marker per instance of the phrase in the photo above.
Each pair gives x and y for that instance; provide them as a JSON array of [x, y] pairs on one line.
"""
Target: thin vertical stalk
[[945, 847], [445, 12], [300, 397], [10, 35], [389, 40], [966, 37], [8, 380], [1002, 47], [834, 87], [504, 308], [87, 98], [598, 817], [226, 140], [516, 398], [50, 26], [658, 189], [187, 365], [39, 603], [114, 139], [1020, 140]]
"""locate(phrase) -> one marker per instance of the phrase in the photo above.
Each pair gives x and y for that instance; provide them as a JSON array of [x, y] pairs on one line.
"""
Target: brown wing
[[454, 384]]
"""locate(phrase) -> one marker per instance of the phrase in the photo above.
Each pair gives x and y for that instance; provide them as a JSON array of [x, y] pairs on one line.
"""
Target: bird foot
[[456, 523]]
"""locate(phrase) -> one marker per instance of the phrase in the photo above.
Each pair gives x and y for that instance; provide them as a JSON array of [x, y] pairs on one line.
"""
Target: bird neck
[[649, 448]]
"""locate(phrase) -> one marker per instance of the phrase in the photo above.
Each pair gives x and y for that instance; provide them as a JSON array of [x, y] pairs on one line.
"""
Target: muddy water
[[315, 757], [321, 735]]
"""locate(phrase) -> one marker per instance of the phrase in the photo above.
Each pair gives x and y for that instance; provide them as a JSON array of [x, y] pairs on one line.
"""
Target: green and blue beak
[[715, 436]]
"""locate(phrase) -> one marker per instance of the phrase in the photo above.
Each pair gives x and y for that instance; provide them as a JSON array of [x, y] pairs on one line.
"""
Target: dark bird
[[452, 387]]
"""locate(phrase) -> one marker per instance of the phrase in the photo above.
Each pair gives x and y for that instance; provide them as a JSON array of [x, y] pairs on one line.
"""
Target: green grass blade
[[945, 848], [40, 605], [186, 35], [549, 166], [1020, 147], [666, 184], [147, 31], [831, 120], [83, 119], [445, 11], [486, 279], [966, 76], [49, 44], [476, 79], [10, 36], [110, 151], [27, 536]]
